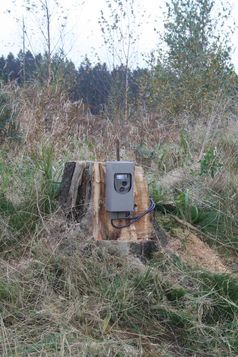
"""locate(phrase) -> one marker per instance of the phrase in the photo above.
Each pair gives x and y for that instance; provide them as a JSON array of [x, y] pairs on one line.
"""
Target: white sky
[[82, 34]]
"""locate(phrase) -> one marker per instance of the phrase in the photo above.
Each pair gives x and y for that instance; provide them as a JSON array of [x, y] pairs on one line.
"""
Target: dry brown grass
[[61, 295]]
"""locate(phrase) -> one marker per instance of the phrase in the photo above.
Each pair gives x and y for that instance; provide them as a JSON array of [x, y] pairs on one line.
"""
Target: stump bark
[[82, 197]]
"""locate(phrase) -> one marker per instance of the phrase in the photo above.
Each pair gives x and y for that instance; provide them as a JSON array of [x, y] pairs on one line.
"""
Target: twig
[[118, 149], [186, 224]]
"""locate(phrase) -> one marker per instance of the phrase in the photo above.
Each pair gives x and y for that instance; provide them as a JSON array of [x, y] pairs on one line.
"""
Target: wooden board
[[82, 196]]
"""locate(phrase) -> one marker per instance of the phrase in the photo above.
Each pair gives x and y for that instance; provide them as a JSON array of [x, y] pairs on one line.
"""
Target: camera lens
[[124, 183], [122, 189]]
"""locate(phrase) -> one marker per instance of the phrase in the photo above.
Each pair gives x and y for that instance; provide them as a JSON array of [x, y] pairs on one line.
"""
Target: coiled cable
[[134, 218]]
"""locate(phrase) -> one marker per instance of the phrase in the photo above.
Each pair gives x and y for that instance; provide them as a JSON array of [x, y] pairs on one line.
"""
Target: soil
[[193, 251]]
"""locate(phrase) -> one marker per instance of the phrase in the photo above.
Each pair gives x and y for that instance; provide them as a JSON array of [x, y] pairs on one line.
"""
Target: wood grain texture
[[84, 197]]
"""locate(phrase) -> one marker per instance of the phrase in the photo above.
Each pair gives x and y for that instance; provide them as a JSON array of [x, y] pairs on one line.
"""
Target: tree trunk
[[82, 196]]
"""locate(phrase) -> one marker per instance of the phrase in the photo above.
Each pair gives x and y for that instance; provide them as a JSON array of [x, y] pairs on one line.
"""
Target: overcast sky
[[82, 34]]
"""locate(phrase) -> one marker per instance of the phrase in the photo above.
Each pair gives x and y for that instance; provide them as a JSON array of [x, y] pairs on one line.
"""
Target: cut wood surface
[[82, 196]]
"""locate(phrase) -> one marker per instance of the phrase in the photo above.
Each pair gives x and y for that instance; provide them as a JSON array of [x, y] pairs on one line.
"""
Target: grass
[[28, 193], [113, 302], [62, 295]]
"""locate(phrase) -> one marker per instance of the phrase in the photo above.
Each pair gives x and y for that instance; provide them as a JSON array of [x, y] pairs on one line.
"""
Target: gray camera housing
[[120, 186]]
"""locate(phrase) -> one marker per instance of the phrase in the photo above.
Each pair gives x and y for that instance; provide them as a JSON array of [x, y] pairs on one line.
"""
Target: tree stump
[[82, 197]]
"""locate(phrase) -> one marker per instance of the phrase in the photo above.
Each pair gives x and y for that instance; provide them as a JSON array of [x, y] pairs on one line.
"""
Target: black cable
[[135, 218]]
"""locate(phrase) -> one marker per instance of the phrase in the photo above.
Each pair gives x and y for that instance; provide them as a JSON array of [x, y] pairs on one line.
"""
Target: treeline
[[193, 72], [94, 84], [158, 86]]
